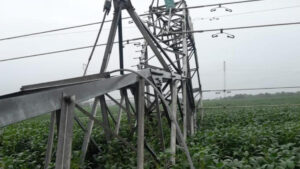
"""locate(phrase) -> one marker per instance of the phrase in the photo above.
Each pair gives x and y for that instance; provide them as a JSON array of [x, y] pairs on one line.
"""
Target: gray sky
[[265, 57]]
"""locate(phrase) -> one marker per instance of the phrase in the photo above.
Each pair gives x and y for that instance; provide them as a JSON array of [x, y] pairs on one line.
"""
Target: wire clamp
[[220, 6], [222, 32]]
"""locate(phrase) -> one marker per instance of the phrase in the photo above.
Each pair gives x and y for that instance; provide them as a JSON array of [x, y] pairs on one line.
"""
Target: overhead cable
[[245, 13], [63, 51], [96, 23], [249, 89], [140, 38]]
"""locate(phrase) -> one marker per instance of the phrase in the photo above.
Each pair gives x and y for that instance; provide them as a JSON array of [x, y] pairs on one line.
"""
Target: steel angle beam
[[147, 35], [25, 106], [174, 51], [65, 82]]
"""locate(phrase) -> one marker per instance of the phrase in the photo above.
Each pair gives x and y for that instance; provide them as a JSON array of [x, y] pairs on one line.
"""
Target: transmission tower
[[153, 86]]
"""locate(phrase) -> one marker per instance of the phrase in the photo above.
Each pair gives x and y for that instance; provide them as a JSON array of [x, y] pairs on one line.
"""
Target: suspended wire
[[65, 50], [226, 3], [96, 23], [195, 19], [236, 28], [249, 89], [141, 38], [59, 29], [96, 42], [250, 12], [49, 31], [80, 32]]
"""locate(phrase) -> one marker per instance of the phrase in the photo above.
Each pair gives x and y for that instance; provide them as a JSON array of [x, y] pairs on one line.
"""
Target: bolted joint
[[158, 81], [106, 75], [69, 99], [139, 79], [173, 77]]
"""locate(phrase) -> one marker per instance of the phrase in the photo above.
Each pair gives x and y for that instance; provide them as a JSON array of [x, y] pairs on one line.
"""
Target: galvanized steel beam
[[25, 106]]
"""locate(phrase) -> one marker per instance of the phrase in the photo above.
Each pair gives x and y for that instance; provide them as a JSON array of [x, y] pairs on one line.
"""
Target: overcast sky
[[266, 57]]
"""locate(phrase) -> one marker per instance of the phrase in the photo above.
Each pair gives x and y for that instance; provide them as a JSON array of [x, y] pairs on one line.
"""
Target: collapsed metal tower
[[171, 84]]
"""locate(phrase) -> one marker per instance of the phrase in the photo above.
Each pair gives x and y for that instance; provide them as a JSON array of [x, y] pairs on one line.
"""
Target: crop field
[[259, 137]]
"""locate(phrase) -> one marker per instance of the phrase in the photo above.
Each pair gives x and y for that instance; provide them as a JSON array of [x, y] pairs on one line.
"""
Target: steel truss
[[182, 46], [151, 86]]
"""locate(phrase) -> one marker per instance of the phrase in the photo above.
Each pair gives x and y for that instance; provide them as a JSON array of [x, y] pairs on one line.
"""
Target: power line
[[49, 31], [96, 23], [212, 5], [237, 28], [249, 12], [80, 32], [131, 27], [62, 51], [248, 89], [59, 29], [195, 19], [226, 3], [140, 38]]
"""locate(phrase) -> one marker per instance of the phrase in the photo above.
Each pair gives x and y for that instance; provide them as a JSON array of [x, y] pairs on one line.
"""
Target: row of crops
[[266, 138], [252, 138]]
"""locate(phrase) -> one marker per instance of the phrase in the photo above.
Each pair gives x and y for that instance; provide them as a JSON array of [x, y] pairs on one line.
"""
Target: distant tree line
[[263, 95]]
